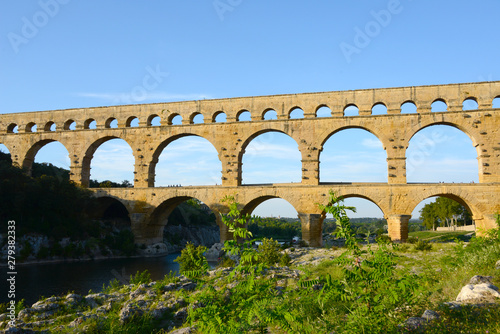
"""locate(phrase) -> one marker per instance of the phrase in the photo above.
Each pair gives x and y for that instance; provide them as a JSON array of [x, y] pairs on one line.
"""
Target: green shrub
[[422, 245], [141, 278], [269, 251], [285, 259], [303, 243], [412, 240], [383, 239], [192, 262], [226, 263]]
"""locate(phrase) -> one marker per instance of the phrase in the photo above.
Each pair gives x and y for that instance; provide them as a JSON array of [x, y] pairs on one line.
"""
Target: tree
[[444, 212]]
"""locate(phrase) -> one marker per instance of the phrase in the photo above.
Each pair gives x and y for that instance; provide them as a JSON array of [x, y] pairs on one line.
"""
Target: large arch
[[344, 166], [111, 209], [449, 143], [91, 151], [272, 150], [189, 156], [29, 158]]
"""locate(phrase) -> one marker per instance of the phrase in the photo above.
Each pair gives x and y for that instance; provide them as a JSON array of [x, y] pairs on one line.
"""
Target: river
[[37, 280]]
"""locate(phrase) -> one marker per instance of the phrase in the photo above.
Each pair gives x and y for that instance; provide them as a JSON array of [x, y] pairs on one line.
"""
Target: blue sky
[[57, 54]]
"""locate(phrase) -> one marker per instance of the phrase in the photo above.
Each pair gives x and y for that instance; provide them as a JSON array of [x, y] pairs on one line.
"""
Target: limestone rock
[[497, 265], [430, 315], [478, 279], [130, 311], [186, 330], [478, 293], [215, 252]]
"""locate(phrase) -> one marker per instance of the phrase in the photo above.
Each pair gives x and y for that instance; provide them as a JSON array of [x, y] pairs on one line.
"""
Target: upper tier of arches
[[376, 102]]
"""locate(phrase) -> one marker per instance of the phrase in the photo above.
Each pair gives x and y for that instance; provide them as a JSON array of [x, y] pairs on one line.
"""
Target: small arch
[[49, 127], [269, 114], [31, 127], [132, 122], [111, 123], [90, 124], [197, 118], [408, 107], [243, 116], [174, 119], [365, 206], [323, 111], [69, 125], [154, 120], [496, 102], [296, 113], [351, 110], [12, 128], [219, 117], [379, 108], [470, 103], [270, 206], [439, 105]]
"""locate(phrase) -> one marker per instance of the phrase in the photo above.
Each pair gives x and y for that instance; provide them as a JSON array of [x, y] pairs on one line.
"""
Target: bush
[[412, 240], [383, 239], [269, 251], [140, 278], [226, 262], [422, 246], [192, 262], [285, 259]]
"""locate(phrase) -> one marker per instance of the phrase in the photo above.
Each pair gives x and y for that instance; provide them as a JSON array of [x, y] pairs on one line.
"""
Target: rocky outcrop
[[176, 237]]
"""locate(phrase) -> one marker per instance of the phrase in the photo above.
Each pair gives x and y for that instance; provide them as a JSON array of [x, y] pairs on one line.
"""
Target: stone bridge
[[149, 206]]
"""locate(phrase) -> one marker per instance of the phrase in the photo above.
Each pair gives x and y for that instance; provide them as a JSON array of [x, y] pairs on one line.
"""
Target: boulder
[[214, 253], [478, 293]]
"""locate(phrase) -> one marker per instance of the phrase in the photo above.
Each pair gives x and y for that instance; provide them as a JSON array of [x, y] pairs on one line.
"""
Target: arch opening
[[220, 117], [108, 159], [379, 109], [175, 119], [351, 110], [5, 156], [409, 107], [270, 157], [185, 215], [197, 119], [496, 102], [446, 212], [353, 155], [274, 217], [13, 128], [185, 160], [244, 116], [51, 158], [50, 127], [111, 211], [70, 125], [132, 122], [323, 111], [154, 120], [470, 104], [90, 124], [441, 153], [439, 105], [111, 123], [270, 114], [31, 127], [296, 113]]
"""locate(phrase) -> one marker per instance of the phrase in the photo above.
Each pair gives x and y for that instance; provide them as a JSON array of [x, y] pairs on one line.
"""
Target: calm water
[[46, 280]]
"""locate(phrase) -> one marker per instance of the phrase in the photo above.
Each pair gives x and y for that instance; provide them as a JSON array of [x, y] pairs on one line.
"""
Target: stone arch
[[249, 139], [470, 103], [360, 194], [89, 155], [408, 107], [249, 207], [108, 207], [90, 124], [12, 128], [69, 125], [323, 111], [48, 127], [151, 119], [495, 103], [465, 199], [29, 157], [130, 120], [361, 127], [351, 109], [4, 149], [417, 153], [379, 108], [217, 117], [439, 105], [111, 123], [269, 114], [31, 127], [159, 149], [171, 117], [296, 110], [195, 115], [243, 113]]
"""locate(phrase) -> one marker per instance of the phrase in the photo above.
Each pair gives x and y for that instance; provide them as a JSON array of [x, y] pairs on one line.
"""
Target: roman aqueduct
[[24, 134]]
